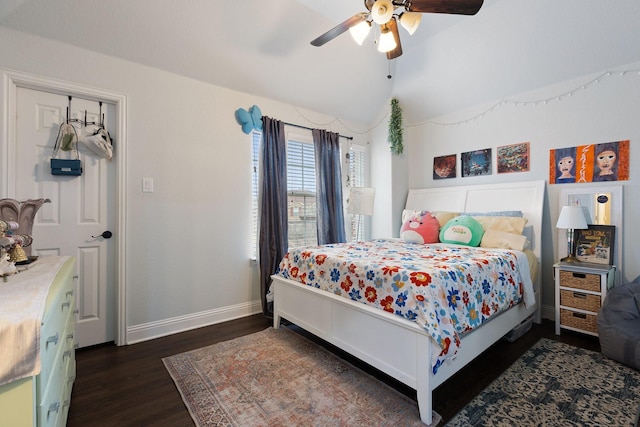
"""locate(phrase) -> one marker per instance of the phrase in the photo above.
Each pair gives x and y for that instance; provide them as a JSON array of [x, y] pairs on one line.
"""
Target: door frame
[[10, 80]]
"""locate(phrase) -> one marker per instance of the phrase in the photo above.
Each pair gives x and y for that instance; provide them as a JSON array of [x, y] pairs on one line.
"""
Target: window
[[357, 163], [301, 192], [301, 189], [256, 137]]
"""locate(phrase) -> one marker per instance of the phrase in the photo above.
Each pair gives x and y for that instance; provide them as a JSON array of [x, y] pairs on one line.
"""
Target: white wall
[[601, 112], [188, 242], [389, 172]]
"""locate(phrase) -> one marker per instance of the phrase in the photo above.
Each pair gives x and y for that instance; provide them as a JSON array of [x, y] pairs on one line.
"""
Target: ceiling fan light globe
[[410, 21], [387, 42], [382, 11], [360, 31]]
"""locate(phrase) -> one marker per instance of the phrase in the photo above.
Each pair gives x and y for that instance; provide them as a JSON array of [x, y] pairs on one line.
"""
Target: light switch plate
[[147, 185]]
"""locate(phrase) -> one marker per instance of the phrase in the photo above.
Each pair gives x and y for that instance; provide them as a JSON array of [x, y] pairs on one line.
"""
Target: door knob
[[106, 234]]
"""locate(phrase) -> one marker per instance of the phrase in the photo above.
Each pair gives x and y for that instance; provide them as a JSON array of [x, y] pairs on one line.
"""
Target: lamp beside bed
[[571, 218], [361, 200]]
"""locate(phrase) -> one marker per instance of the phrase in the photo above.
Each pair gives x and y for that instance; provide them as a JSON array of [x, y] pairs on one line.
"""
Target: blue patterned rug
[[555, 384]]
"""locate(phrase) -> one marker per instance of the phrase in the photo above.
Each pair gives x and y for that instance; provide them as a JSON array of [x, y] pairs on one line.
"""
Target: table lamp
[[361, 201], [571, 218]]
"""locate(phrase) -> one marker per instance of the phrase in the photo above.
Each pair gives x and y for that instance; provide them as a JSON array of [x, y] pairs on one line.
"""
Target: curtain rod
[[350, 138]]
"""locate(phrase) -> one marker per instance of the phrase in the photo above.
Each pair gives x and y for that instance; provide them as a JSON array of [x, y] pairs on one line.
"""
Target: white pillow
[[500, 239], [508, 224]]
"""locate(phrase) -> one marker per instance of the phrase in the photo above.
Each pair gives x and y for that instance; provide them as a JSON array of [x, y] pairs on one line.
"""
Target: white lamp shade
[[410, 21], [360, 31], [572, 218], [361, 200], [387, 42], [381, 11]]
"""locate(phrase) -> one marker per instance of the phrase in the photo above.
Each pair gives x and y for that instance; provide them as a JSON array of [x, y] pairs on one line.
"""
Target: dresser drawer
[[56, 396], [585, 281], [583, 321], [581, 300], [52, 332], [66, 385], [51, 401]]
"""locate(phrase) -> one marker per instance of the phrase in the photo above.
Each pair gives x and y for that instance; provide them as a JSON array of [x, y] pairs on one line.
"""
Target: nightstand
[[580, 292]]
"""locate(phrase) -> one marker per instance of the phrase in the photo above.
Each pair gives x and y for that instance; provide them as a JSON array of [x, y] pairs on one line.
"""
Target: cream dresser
[[37, 325]]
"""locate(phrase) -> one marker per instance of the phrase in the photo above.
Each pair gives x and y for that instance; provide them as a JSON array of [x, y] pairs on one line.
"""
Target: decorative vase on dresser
[[37, 326]]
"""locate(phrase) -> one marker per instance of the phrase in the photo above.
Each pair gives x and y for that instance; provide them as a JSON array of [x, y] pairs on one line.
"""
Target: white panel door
[[81, 207]]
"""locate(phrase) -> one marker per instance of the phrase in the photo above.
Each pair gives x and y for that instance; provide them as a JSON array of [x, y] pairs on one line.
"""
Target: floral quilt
[[446, 289]]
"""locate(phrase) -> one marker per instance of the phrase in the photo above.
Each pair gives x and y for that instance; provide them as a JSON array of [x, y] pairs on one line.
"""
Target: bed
[[360, 329]]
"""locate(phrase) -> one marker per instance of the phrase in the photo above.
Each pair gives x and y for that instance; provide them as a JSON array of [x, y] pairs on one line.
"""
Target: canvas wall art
[[608, 161], [513, 158], [444, 167], [476, 163]]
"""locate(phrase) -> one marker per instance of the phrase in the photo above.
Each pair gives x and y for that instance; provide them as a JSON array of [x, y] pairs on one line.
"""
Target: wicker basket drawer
[[583, 321], [586, 281], [579, 300]]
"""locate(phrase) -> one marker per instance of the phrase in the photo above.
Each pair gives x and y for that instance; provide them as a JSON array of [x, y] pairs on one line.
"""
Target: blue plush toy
[[249, 120]]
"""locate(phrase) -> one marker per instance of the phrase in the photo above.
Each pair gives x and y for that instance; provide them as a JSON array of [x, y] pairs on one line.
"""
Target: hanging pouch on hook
[[66, 167], [67, 141]]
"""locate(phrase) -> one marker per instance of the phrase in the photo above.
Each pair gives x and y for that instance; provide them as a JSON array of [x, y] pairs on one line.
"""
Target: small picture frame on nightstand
[[596, 244]]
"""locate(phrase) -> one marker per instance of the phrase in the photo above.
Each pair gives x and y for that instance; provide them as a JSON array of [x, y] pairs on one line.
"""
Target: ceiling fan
[[387, 14]]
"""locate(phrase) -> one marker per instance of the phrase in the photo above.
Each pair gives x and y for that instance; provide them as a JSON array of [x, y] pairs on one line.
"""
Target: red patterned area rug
[[279, 378]]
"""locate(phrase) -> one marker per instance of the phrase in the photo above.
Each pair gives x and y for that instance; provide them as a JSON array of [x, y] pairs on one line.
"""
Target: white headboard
[[527, 197]]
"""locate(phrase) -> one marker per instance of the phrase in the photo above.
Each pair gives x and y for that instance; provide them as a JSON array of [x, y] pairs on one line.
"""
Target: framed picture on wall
[[596, 244], [513, 158], [476, 163], [444, 167], [607, 161]]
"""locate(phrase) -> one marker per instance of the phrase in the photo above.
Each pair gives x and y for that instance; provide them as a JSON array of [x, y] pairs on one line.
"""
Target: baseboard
[[162, 328]]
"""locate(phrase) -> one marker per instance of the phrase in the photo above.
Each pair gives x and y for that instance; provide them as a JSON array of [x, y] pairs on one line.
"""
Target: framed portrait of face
[[608, 161]]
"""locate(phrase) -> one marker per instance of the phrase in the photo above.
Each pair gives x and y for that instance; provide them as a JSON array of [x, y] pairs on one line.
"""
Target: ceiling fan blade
[[393, 27], [457, 7], [339, 29]]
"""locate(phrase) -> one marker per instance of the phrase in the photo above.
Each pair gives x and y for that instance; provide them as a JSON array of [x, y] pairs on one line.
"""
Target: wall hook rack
[[85, 122]]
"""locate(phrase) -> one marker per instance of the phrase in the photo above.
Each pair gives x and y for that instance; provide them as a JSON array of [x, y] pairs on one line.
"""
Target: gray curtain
[[330, 215], [273, 237]]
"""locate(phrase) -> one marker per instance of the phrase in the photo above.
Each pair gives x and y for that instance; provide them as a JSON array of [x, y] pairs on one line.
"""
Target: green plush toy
[[462, 230]]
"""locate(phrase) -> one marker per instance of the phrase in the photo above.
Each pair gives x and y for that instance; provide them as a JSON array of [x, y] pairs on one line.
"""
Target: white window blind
[[357, 164], [301, 194], [256, 137]]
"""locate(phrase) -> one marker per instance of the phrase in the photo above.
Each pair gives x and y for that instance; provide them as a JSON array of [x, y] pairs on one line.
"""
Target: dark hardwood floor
[[129, 386]]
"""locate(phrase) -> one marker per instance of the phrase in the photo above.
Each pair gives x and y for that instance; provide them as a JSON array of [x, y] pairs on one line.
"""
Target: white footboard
[[388, 342]]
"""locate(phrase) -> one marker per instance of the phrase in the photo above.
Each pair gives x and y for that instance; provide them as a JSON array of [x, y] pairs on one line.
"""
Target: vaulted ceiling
[[262, 47]]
